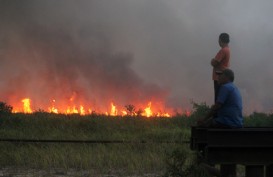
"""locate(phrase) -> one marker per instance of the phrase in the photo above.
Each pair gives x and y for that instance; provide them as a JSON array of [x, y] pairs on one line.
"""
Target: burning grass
[[149, 110], [127, 158], [100, 158]]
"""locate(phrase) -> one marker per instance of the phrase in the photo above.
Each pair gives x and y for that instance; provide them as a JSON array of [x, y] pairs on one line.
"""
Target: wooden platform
[[249, 146]]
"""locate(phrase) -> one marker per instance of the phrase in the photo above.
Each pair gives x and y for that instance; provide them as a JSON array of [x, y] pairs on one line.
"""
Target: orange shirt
[[222, 57]]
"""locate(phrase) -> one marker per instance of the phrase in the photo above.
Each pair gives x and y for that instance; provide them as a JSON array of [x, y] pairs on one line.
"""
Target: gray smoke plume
[[57, 50], [131, 51]]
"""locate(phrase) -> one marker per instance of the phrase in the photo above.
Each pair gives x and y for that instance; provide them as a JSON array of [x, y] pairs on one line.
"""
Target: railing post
[[269, 170], [254, 170], [228, 170]]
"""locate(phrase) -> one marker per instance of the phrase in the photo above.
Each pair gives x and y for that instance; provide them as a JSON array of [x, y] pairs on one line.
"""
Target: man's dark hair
[[229, 73], [224, 37]]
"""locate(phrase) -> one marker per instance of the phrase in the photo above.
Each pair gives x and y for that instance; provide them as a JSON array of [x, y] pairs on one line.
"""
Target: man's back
[[230, 112]]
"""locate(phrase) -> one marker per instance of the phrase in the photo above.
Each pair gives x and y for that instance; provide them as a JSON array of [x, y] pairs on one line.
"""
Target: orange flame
[[26, 105], [114, 111], [72, 108], [53, 109], [148, 112]]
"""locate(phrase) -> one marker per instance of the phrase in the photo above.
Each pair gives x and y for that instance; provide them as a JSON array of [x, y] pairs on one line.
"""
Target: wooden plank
[[259, 137], [228, 170], [244, 156], [198, 138], [254, 171], [269, 170]]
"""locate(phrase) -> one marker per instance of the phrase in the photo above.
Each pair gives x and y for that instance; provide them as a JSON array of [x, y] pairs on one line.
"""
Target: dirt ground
[[24, 172]]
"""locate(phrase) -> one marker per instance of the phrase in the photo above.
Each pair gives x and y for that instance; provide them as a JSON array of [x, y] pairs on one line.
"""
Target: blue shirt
[[230, 113]]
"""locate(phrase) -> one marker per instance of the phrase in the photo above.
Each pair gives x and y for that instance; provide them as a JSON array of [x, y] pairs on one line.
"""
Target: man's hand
[[209, 115], [215, 107]]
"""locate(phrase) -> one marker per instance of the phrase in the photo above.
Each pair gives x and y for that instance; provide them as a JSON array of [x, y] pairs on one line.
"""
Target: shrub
[[199, 111], [4, 108], [181, 163], [258, 119], [131, 110]]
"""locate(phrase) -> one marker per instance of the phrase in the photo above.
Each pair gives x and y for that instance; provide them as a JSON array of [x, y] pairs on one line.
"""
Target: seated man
[[227, 111]]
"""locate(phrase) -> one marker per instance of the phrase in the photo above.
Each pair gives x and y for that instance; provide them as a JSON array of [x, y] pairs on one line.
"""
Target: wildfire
[[26, 105], [53, 109], [72, 108], [148, 112], [114, 111]]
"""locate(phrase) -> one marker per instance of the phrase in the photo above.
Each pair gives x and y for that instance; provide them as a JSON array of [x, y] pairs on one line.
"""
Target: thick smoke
[[53, 50], [124, 50]]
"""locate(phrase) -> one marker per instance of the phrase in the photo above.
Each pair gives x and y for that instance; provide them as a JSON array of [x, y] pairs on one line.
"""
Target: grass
[[52, 126], [128, 158], [102, 158]]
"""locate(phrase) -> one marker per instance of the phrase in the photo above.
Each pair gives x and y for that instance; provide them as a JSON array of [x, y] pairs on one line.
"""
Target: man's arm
[[210, 114], [214, 62], [213, 110], [217, 59]]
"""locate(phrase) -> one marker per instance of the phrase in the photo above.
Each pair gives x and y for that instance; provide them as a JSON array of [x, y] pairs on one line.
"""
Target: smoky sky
[[134, 49]]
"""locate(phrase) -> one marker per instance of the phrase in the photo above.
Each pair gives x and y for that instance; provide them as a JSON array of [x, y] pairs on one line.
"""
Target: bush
[[199, 111], [4, 108], [258, 119], [181, 163]]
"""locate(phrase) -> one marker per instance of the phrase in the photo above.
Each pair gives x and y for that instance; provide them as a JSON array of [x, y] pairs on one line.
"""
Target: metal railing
[[89, 141]]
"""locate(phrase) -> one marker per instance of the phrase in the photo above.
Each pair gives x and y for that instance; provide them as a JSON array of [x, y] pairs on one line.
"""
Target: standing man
[[220, 61]]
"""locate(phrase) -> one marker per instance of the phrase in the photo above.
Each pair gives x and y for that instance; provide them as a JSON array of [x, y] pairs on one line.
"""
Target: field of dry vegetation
[[152, 146]]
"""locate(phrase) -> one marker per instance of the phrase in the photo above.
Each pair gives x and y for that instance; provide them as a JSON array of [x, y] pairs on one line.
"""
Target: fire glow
[[129, 110]]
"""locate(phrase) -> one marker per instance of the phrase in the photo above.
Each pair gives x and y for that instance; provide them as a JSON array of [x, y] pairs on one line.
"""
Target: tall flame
[[26, 105], [114, 111], [148, 112]]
